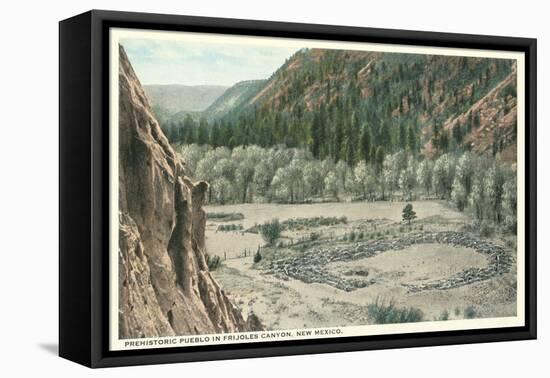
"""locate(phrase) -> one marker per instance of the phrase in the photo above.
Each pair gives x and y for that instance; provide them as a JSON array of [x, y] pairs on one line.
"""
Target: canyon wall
[[165, 287]]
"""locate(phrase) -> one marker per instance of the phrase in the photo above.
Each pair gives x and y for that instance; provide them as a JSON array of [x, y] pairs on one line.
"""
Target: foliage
[[257, 256], [302, 223], [281, 175], [224, 217], [213, 262], [470, 312], [509, 205], [458, 195], [408, 179], [271, 231], [408, 213], [360, 107], [230, 227], [425, 175], [494, 189], [443, 176], [485, 229], [381, 313]]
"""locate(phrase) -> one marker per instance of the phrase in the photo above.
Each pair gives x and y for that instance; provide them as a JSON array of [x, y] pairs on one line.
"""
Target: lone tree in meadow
[[271, 231], [408, 213]]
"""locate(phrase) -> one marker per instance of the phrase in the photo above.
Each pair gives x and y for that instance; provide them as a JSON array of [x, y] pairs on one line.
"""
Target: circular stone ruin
[[334, 265]]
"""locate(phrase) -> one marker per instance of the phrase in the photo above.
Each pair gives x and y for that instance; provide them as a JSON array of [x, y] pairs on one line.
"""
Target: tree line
[[293, 175]]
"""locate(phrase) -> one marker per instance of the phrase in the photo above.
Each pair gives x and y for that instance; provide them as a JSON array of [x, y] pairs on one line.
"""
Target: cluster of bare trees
[[483, 185], [256, 174]]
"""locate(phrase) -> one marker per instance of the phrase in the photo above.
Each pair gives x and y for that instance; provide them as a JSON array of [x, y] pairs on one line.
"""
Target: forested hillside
[[236, 96], [356, 105]]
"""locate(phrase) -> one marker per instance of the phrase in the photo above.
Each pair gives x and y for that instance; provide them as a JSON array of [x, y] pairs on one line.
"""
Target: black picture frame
[[84, 187]]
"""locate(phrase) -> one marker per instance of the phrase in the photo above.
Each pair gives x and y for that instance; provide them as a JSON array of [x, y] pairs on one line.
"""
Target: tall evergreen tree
[[190, 129], [411, 139], [203, 134], [215, 135], [315, 146], [403, 136], [366, 143]]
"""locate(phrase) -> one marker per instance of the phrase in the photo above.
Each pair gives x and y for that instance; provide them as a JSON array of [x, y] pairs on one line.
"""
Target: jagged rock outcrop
[[165, 286]]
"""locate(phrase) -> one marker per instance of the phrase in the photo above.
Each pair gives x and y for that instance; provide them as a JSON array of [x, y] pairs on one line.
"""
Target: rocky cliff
[[165, 287], [496, 120]]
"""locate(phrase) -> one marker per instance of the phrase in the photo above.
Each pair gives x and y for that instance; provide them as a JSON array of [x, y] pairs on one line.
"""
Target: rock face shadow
[[51, 348]]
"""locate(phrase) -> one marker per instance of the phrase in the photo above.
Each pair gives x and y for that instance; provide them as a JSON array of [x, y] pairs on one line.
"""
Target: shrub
[[271, 231], [444, 315], [313, 236], [510, 243], [257, 256], [457, 311], [352, 236], [485, 229], [303, 223], [225, 217], [510, 90], [213, 262], [470, 312], [380, 313], [230, 227]]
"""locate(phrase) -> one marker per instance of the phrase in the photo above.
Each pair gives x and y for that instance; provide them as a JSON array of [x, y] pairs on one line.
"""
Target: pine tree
[[408, 213], [338, 139], [316, 136], [384, 137], [366, 143], [203, 134], [403, 136], [190, 126], [215, 139], [411, 139]]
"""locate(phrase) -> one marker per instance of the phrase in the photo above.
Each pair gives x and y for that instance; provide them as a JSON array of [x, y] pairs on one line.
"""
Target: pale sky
[[202, 62]]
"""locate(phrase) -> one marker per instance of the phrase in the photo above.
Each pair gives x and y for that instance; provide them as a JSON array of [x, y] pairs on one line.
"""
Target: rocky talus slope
[[165, 287]]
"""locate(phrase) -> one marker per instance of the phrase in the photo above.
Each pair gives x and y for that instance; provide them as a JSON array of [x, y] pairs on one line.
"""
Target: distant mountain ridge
[[234, 97], [177, 97], [450, 102], [341, 103]]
